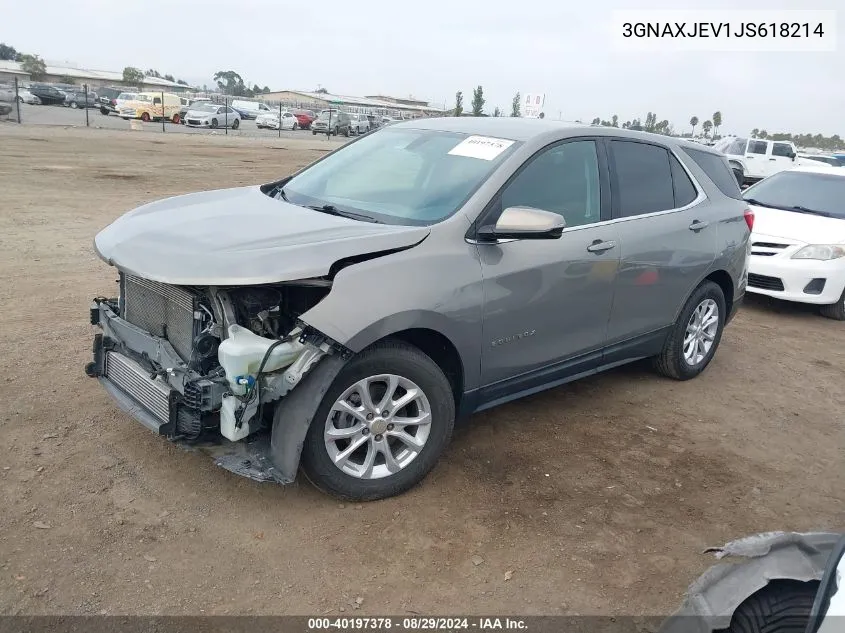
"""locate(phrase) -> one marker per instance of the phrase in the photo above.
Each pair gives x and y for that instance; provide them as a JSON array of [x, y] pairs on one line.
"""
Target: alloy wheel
[[377, 426], [701, 331]]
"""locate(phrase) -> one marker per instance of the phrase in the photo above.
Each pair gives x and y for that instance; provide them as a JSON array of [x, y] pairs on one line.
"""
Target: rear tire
[[214, 123], [783, 606], [836, 310], [673, 361], [74, 105], [408, 363]]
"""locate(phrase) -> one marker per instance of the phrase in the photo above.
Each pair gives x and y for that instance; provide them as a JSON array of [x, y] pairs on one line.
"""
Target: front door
[[547, 302], [756, 159], [780, 157], [668, 242]]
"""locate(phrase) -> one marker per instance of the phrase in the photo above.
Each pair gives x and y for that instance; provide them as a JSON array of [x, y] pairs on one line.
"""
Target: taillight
[[749, 219]]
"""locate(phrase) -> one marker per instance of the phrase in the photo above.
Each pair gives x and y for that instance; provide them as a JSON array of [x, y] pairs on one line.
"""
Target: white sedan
[[25, 96], [798, 239], [270, 120]]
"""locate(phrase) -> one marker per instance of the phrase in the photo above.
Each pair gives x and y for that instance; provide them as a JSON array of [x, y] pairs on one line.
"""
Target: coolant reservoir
[[240, 355]]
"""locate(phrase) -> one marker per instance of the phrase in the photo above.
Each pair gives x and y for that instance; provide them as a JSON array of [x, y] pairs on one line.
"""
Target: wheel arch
[[721, 278]]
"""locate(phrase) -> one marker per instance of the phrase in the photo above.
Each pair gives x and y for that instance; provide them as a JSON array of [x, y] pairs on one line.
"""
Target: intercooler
[[131, 378], [162, 310]]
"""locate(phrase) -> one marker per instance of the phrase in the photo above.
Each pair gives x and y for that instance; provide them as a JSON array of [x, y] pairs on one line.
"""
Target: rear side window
[[643, 178], [756, 147], [717, 169], [685, 191]]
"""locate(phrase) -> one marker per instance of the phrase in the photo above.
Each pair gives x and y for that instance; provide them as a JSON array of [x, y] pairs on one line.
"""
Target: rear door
[[667, 240]]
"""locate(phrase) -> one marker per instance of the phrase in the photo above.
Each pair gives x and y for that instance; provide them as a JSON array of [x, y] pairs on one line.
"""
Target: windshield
[[801, 190], [126, 96], [401, 176], [145, 98], [204, 107]]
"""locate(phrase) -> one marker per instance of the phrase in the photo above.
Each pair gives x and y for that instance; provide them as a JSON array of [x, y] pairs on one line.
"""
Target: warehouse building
[[381, 105], [10, 70]]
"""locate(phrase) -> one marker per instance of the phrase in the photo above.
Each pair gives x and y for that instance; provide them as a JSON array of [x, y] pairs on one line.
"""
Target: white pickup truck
[[753, 159]]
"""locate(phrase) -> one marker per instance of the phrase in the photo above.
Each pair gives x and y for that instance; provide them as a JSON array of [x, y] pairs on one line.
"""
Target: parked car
[[249, 109], [212, 115], [754, 159], [186, 104], [48, 95], [798, 243], [359, 123], [148, 106], [106, 96], [270, 121], [305, 118], [775, 582], [515, 267], [115, 104], [81, 99], [333, 123], [25, 96], [822, 158]]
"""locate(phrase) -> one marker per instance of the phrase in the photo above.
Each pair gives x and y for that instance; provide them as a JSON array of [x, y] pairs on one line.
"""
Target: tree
[[181, 82], [33, 65], [230, 82], [497, 112], [8, 53], [153, 73], [266, 89], [707, 126], [321, 91], [516, 105], [132, 75], [693, 122], [717, 122], [596, 121], [763, 134], [755, 132], [169, 78], [478, 101], [459, 103], [614, 120], [650, 121], [67, 79]]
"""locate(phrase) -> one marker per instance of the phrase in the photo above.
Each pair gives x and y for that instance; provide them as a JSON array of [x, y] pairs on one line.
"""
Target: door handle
[[697, 225], [600, 246], [773, 159]]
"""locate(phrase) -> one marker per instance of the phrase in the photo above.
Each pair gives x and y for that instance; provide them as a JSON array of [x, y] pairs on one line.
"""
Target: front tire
[[214, 123], [74, 105], [236, 124], [696, 334], [835, 310], [381, 426], [781, 607]]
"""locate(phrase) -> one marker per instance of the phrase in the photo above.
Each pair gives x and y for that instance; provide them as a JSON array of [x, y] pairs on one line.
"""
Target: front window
[[400, 176], [803, 192], [126, 96], [144, 98]]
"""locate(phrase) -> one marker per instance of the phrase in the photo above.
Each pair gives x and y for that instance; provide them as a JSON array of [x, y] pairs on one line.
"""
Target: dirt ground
[[597, 496]]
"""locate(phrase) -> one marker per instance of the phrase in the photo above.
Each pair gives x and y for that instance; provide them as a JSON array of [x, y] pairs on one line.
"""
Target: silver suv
[[341, 318]]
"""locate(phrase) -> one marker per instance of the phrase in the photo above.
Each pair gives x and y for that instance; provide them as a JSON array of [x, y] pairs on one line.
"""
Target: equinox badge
[[510, 339]]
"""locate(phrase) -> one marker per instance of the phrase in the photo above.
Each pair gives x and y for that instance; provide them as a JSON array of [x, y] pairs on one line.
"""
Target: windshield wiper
[[801, 209], [763, 204], [333, 210]]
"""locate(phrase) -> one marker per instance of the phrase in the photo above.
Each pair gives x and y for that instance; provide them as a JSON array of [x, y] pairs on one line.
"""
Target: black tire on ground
[[295, 126], [346, 132], [214, 123], [835, 310], [236, 124], [398, 358], [335, 132], [104, 111], [74, 105], [670, 362], [781, 607], [314, 132]]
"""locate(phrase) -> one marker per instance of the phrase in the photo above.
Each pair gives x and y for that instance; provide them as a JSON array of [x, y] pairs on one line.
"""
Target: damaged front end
[[203, 366]]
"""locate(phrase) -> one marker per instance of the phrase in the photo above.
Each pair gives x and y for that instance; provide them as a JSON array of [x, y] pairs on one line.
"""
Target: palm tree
[[755, 132], [717, 122], [693, 122], [707, 125]]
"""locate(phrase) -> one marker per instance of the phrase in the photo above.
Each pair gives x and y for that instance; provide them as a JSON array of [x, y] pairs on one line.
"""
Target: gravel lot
[[57, 115], [598, 496]]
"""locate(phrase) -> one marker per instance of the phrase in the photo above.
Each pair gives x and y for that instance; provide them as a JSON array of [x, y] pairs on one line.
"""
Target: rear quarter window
[[718, 170]]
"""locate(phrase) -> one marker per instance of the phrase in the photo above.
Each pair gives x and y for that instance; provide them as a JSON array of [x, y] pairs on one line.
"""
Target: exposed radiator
[[131, 378], [161, 309]]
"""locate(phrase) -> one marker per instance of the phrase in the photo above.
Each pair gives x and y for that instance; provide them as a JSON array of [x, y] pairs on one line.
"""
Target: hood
[[800, 227], [199, 114], [239, 237]]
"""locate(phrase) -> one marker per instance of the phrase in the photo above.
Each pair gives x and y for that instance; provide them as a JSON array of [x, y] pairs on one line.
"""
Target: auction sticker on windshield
[[483, 147]]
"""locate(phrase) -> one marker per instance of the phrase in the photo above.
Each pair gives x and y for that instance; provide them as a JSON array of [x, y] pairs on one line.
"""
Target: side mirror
[[524, 223], [829, 605]]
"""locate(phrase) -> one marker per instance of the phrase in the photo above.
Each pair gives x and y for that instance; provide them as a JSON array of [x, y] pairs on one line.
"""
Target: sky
[[434, 48]]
